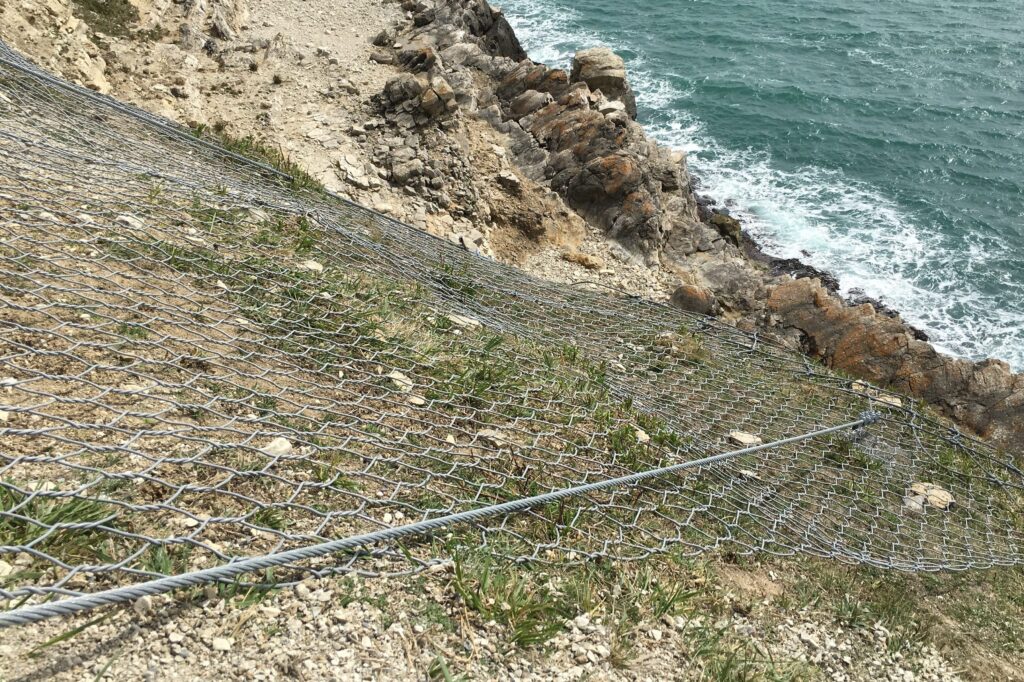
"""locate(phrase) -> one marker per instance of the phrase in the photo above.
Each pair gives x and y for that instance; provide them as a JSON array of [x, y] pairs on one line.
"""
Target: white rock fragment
[[642, 437], [143, 605], [495, 436], [4, 416], [5, 569], [889, 400], [915, 503], [128, 220], [8, 382], [747, 473], [313, 266], [744, 439], [416, 400], [933, 495], [463, 321], [279, 446], [221, 644], [402, 382], [176, 638], [875, 394]]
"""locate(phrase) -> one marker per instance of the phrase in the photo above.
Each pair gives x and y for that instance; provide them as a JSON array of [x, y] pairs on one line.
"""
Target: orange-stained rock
[[985, 395]]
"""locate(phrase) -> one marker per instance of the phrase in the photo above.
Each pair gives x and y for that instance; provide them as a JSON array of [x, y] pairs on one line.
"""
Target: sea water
[[883, 141]]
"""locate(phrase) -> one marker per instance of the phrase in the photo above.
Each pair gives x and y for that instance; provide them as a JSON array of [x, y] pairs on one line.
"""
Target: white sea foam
[[847, 227]]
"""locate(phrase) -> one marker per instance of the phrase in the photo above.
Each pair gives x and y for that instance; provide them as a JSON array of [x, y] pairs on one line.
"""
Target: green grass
[[132, 331], [42, 522], [531, 613], [261, 151]]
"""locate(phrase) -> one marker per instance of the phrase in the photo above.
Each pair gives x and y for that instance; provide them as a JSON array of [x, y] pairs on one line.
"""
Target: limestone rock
[[915, 503], [464, 321], [496, 437], [401, 381], [735, 284], [585, 259], [744, 439], [278, 447], [601, 69], [403, 87], [986, 395], [385, 38], [933, 495], [510, 182], [727, 226]]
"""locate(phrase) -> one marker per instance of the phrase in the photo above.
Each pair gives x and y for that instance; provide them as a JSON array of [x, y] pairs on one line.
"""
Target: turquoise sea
[[884, 139]]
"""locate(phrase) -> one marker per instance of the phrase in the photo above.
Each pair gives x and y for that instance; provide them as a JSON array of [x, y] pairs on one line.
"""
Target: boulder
[[407, 94], [695, 299], [403, 87], [529, 102], [601, 69], [385, 38], [737, 286], [727, 226], [418, 58]]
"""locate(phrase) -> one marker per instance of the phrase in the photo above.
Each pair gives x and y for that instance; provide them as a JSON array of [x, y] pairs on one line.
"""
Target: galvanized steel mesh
[[202, 362]]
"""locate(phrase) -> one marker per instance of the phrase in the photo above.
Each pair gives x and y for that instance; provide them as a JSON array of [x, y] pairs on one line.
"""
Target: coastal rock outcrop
[[418, 97], [986, 396], [601, 69]]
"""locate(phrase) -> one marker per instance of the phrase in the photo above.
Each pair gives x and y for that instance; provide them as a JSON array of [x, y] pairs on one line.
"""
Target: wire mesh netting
[[204, 360]]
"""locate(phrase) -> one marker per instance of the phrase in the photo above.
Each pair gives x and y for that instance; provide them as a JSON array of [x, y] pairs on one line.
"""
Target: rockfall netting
[[205, 361]]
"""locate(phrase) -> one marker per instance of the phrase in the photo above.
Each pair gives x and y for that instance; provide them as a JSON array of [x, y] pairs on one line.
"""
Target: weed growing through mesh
[[532, 613], [259, 150], [50, 523]]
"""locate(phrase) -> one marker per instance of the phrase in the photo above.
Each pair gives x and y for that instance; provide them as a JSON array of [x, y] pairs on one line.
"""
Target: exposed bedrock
[[986, 396], [574, 133], [601, 69]]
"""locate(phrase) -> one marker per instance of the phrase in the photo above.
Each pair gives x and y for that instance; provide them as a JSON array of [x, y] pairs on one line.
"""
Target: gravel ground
[[355, 629]]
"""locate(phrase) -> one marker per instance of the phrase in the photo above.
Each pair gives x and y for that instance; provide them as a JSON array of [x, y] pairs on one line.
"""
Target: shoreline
[[676, 114], [585, 144]]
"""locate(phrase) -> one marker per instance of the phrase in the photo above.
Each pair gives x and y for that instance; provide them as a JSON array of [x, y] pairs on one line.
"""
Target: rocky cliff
[[574, 132]]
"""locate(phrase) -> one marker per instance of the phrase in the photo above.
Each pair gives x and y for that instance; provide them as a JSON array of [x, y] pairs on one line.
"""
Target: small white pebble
[[143, 605], [278, 447], [401, 381]]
